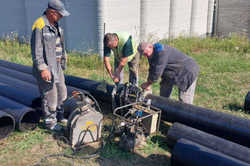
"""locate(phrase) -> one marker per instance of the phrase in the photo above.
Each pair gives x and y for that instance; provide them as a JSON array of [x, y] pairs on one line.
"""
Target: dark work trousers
[[53, 95], [133, 70], [166, 87]]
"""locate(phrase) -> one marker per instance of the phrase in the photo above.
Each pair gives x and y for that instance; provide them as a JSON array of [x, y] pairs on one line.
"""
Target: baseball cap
[[58, 6]]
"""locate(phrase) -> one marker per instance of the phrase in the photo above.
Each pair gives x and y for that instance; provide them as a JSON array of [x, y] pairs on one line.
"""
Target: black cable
[[73, 155]]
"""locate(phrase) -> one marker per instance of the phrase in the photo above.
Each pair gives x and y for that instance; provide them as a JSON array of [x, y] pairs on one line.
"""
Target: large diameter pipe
[[101, 91], [23, 73], [15, 66], [178, 131], [18, 75], [25, 77], [7, 124], [26, 118], [221, 124], [25, 87], [17, 90], [98, 90], [189, 153]]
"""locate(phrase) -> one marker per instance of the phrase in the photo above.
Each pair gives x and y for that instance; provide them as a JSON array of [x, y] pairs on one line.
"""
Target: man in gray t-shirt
[[174, 68]]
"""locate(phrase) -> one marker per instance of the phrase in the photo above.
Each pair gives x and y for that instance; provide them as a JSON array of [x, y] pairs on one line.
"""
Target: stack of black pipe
[[193, 147], [223, 129], [20, 98], [15, 102]]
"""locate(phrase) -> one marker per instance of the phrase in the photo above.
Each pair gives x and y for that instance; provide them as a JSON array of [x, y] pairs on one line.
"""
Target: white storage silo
[[155, 16], [123, 16], [198, 19], [180, 18]]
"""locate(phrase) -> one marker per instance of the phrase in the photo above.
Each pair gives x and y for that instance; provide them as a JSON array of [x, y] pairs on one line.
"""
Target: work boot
[[51, 124], [60, 116]]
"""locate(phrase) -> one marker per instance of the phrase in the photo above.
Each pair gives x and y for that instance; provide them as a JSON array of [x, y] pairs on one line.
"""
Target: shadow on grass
[[161, 141], [235, 107], [113, 156]]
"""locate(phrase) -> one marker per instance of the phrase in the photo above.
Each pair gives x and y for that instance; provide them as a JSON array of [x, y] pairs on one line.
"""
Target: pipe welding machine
[[135, 117], [85, 120]]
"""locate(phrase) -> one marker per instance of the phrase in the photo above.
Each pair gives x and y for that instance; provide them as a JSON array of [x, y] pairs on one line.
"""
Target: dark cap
[[58, 6]]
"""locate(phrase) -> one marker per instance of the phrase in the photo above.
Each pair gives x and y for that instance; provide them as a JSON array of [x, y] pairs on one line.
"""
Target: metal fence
[[233, 17]]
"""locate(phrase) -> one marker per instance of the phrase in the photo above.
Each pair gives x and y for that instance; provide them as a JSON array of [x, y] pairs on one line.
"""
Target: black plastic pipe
[[97, 89], [247, 102], [178, 131], [18, 75], [17, 90], [26, 118], [25, 77], [22, 87], [189, 153], [18, 67], [220, 124], [93, 87], [7, 124]]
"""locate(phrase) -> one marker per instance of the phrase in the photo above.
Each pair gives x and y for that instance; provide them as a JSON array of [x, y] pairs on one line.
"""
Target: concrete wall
[[199, 12], [120, 15], [180, 18], [233, 17], [84, 28], [155, 19]]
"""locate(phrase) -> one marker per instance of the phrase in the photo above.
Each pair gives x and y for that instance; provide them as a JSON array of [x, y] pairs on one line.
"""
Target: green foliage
[[26, 140], [85, 61]]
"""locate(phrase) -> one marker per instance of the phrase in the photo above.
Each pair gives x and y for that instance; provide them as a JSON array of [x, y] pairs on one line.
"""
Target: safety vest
[[123, 38]]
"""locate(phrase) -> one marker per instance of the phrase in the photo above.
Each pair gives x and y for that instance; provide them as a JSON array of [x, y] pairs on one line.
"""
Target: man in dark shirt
[[174, 68]]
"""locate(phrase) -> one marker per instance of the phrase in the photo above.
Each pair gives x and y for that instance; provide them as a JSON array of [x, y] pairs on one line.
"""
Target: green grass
[[222, 85]]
